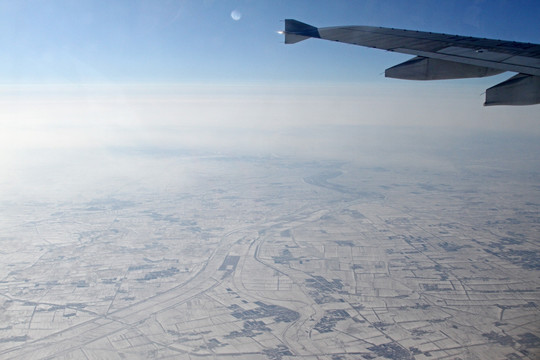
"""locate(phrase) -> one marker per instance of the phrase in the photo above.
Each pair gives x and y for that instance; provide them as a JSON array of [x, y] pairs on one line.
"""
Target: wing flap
[[421, 68], [520, 89]]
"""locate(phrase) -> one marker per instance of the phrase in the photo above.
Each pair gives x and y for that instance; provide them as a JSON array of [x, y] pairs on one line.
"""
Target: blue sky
[[199, 42], [185, 74], [79, 78]]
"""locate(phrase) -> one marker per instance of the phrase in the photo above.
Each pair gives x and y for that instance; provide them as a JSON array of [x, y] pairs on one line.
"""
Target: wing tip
[[296, 31]]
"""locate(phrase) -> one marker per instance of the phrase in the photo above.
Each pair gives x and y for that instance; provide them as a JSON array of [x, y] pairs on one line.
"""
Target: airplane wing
[[442, 56]]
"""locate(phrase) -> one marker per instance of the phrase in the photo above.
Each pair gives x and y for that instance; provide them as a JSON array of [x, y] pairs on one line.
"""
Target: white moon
[[236, 15]]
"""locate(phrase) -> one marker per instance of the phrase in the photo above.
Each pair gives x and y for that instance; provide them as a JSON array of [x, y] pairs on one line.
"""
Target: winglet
[[296, 31]]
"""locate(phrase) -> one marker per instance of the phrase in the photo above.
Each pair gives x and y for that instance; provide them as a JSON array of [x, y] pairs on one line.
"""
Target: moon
[[236, 15]]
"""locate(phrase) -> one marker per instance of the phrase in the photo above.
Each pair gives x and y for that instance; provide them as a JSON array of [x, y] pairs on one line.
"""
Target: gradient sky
[[79, 77], [176, 41]]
